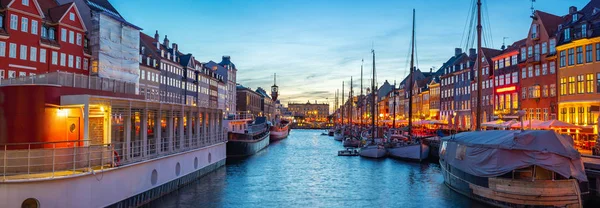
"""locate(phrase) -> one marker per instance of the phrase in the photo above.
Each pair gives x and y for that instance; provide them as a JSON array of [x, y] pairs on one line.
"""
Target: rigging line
[[464, 34], [471, 16], [489, 23]]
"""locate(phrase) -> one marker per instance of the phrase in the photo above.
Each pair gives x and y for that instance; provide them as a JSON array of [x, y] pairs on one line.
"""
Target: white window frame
[[14, 22], [25, 2], [2, 49], [24, 24], [85, 64], [33, 54], [78, 62], [71, 37], [34, 27], [63, 59], [42, 55], [22, 74], [79, 38], [72, 16], [54, 58], [63, 35], [1, 74], [23, 52], [12, 74], [70, 63]]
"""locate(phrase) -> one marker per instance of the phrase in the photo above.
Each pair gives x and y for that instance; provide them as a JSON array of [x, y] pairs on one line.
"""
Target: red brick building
[[538, 70], [506, 79], [487, 84], [40, 36]]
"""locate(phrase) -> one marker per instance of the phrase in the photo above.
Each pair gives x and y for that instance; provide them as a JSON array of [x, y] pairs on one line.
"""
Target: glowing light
[[506, 89], [101, 108], [62, 112]]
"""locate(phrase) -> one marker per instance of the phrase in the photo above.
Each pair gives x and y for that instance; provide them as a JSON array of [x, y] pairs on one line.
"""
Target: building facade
[[248, 101], [42, 36], [578, 74], [506, 99], [538, 70], [311, 112], [487, 86], [231, 83]]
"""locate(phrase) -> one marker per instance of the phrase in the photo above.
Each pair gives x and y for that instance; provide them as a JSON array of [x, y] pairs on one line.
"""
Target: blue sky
[[315, 45]]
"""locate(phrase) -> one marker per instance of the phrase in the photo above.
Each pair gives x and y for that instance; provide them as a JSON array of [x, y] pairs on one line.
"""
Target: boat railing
[[241, 115], [48, 160], [73, 80]]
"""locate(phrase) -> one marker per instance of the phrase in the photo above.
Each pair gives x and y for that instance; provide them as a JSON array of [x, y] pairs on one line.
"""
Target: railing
[[29, 161], [74, 80]]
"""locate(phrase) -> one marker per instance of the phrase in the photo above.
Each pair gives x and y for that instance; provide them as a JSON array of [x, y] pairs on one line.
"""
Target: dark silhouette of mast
[[478, 62], [361, 92], [373, 99], [394, 114], [410, 81], [343, 104], [351, 102]]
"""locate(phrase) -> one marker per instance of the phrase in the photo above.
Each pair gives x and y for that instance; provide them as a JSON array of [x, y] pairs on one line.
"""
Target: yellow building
[[579, 71], [310, 112]]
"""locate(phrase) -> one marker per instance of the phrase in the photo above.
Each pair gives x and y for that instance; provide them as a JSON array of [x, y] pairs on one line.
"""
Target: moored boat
[[409, 151], [248, 139], [373, 150], [514, 168], [330, 133], [280, 130], [351, 141], [338, 135]]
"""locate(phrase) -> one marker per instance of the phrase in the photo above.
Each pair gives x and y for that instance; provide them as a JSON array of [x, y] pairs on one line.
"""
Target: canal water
[[305, 171]]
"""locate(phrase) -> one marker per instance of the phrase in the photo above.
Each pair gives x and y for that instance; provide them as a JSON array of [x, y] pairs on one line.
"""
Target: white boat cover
[[495, 153]]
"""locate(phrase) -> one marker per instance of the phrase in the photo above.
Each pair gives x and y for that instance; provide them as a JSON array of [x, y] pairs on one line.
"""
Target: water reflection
[[305, 171]]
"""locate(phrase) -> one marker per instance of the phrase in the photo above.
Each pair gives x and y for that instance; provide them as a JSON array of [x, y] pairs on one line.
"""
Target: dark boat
[[280, 130], [247, 137], [515, 169]]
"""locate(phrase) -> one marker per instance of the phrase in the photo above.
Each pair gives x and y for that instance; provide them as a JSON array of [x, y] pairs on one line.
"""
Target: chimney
[[166, 41], [472, 52], [430, 70], [156, 37], [572, 9], [457, 51]]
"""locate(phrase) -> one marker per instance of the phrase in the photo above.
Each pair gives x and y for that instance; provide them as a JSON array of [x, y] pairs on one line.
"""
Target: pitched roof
[[104, 5], [4, 3], [550, 22], [58, 12]]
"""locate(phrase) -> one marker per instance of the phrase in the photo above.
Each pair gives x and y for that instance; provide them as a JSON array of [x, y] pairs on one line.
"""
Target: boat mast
[[337, 107], [343, 104], [361, 92], [373, 99], [394, 113], [410, 75], [351, 101], [478, 62]]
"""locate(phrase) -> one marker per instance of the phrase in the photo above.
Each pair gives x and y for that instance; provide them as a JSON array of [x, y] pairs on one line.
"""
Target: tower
[[274, 88]]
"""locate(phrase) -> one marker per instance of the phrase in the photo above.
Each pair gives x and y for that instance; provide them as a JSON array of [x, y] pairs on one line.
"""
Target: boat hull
[[125, 186], [330, 132], [416, 152], [505, 192], [351, 143], [373, 151], [244, 148], [278, 135], [338, 136]]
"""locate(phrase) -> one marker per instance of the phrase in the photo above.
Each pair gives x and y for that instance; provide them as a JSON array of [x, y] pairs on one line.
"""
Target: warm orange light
[[506, 89], [62, 112]]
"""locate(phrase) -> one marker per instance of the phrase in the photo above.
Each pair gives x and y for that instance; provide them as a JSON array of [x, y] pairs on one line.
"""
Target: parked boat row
[[248, 135]]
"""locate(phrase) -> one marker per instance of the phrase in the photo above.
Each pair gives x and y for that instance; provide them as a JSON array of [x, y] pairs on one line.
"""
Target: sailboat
[[373, 148], [338, 135], [351, 140], [409, 148]]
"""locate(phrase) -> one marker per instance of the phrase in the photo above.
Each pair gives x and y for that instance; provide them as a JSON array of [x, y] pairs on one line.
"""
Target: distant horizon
[[315, 46]]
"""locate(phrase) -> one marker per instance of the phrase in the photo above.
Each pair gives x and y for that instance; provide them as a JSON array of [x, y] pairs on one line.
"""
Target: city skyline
[[329, 49]]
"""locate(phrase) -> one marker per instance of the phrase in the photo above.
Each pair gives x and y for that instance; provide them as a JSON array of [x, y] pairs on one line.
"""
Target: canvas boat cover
[[495, 153]]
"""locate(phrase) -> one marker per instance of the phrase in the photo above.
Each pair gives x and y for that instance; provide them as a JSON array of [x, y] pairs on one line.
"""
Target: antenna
[[504, 42], [532, 9]]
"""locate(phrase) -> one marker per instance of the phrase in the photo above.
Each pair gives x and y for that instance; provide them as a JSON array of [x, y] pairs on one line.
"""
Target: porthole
[[177, 169], [209, 158], [196, 163], [154, 177], [30, 203]]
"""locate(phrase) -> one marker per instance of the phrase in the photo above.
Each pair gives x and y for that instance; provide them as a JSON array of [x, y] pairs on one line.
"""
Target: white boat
[[373, 151], [351, 142], [338, 135], [416, 151]]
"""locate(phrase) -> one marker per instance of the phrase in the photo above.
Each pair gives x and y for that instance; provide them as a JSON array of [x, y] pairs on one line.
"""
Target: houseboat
[[279, 130], [249, 137], [515, 168]]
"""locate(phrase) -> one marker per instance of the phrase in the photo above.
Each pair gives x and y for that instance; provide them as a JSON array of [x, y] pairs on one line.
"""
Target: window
[[590, 83], [13, 23], [523, 53], [85, 64], [567, 34], [563, 86], [63, 35], [63, 59], [72, 16], [524, 93], [501, 81], [536, 91], [545, 91], [1, 74], [552, 90], [71, 37], [514, 60], [70, 64], [588, 53], [537, 70], [42, 55], [44, 32], [544, 69], [25, 2], [534, 33], [580, 55], [54, 58], [580, 84], [1, 21], [507, 78], [552, 46], [515, 77], [52, 34], [536, 52], [529, 52], [530, 70], [24, 24], [78, 62], [2, 49], [544, 48], [584, 30], [12, 74], [597, 51], [598, 82], [33, 54], [563, 58], [523, 73], [22, 74], [23, 52], [552, 67], [79, 39], [34, 27], [571, 85], [571, 57]]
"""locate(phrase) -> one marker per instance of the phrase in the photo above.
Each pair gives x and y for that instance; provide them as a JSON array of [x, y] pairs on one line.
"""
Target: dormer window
[[534, 29], [567, 33], [51, 34], [584, 30], [44, 32], [25, 2], [575, 16], [143, 49], [596, 10]]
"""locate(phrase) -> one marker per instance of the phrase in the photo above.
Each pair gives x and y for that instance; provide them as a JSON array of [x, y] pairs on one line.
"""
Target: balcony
[[73, 80]]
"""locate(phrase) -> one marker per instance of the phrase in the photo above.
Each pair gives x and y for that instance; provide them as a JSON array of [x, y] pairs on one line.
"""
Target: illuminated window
[[545, 91], [515, 100], [563, 86], [552, 90], [580, 84], [590, 83], [571, 85]]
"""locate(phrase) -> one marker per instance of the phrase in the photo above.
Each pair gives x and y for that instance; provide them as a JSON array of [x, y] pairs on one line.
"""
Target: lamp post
[[455, 122], [521, 113]]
